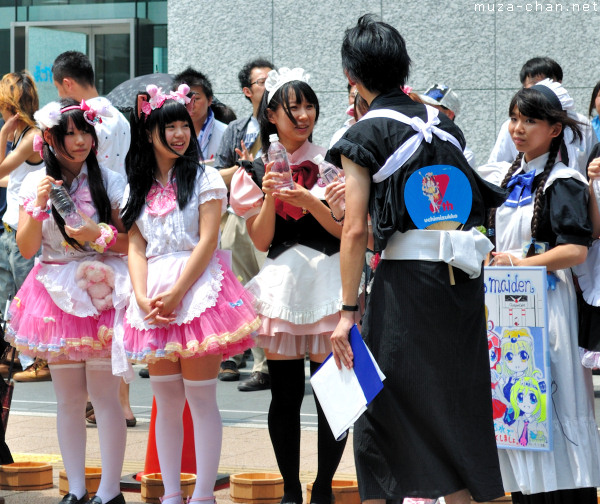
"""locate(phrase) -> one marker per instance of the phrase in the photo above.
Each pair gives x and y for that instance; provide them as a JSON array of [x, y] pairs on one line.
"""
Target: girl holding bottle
[[298, 289], [65, 311]]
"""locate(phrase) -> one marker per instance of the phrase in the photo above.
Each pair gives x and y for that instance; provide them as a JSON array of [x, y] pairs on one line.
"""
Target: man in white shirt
[[532, 72], [74, 78]]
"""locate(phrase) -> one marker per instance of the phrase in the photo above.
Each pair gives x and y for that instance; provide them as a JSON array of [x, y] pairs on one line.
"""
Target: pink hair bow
[[38, 144], [157, 97], [89, 114], [181, 95]]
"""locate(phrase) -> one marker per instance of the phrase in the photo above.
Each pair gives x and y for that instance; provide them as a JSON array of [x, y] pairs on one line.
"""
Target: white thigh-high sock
[[170, 400], [208, 433], [71, 396], [103, 388]]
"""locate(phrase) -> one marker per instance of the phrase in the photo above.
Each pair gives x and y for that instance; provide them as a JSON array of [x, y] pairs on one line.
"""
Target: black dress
[[430, 431]]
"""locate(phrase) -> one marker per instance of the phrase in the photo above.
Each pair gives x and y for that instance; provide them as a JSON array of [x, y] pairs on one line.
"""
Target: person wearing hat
[[446, 101]]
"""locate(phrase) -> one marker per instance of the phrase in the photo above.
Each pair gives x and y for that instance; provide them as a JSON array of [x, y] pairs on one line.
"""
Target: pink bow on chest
[[161, 200], [82, 197]]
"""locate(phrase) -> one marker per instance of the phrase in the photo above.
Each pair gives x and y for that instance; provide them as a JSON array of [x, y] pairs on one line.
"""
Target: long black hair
[[54, 169], [141, 163], [593, 100], [533, 103], [281, 98]]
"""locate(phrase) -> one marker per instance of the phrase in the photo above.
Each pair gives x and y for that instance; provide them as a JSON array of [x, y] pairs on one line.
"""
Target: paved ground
[[31, 436]]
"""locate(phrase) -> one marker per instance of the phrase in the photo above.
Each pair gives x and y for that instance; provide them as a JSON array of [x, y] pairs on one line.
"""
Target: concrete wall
[[478, 51]]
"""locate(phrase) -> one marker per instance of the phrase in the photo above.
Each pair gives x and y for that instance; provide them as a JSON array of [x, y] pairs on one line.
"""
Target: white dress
[[574, 461]]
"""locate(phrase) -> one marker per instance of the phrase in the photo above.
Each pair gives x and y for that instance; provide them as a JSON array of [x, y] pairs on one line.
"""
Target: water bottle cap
[[318, 159], [273, 138]]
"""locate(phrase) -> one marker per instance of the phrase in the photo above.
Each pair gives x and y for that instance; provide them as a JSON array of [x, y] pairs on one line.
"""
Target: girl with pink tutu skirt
[[65, 310], [187, 310]]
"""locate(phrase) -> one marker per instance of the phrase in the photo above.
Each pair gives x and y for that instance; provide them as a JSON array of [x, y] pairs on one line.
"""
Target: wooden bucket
[[92, 481], [152, 487], [26, 476], [256, 488], [344, 491]]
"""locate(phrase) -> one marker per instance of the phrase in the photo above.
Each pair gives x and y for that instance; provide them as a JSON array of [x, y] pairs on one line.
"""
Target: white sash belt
[[465, 250], [425, 131]]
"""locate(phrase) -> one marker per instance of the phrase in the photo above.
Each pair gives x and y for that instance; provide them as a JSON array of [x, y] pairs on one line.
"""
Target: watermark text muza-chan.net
[[537, 7]]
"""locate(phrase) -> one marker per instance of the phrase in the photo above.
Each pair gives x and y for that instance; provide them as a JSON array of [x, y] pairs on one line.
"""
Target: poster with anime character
[[517, 321]]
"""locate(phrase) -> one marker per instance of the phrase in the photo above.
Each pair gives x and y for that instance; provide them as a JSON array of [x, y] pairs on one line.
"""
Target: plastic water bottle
[[278, 154], [65, 206], [329, 173]]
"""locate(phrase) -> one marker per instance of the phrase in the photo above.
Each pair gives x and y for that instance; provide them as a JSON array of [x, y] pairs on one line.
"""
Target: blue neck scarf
[[520, 186]]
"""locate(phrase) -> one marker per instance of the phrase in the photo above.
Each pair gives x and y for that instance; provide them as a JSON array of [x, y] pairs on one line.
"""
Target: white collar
[[538, 164]]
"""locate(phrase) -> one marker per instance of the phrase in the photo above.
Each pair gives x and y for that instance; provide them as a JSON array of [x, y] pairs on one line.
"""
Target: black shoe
[[119, 499], [258, 381], [144, 373], [229, 371], [72, 499]]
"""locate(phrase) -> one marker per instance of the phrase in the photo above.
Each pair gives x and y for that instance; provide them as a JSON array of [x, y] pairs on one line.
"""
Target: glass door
[[109, 45]]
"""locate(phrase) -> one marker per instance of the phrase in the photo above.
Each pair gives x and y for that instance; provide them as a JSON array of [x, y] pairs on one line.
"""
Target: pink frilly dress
[[298, 294], [66, 308], [215, 316]]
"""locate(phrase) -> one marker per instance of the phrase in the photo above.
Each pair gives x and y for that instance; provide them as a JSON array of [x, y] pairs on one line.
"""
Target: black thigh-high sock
[[330, 454], [287, 392]]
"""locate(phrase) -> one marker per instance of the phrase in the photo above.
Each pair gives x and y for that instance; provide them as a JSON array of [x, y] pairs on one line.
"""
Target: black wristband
[[349, 307]]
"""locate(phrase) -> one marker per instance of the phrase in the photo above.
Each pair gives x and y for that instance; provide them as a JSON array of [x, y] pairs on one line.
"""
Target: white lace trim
[[200, 297], [212, 194], [307, 316], [59, 281]]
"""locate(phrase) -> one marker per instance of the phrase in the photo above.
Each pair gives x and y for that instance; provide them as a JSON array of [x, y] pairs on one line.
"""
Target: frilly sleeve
[[245, 197], [209, 186]]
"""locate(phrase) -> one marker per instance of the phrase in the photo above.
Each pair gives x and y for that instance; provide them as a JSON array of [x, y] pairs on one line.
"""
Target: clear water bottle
[[329, 173], [278, 154], [65, 206]]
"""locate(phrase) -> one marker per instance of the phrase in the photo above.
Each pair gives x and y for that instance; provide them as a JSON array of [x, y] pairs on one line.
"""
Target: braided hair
[[534, 104]]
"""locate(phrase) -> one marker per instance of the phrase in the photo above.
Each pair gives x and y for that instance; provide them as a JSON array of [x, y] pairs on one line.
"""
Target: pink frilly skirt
[[214, 317], [53, 318]]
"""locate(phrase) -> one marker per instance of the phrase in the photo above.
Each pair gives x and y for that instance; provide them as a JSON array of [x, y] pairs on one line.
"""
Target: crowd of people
[[188, 248]]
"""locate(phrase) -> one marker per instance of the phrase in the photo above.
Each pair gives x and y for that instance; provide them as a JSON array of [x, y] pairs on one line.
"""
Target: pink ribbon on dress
[[161, 200], [82, 197]]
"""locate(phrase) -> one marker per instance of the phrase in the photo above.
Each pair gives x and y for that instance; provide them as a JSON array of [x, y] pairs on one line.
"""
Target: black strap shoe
[[72, 499]]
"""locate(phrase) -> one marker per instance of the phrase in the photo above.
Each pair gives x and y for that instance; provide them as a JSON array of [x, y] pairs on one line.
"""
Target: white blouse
[[179, 230], [53, 246]]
